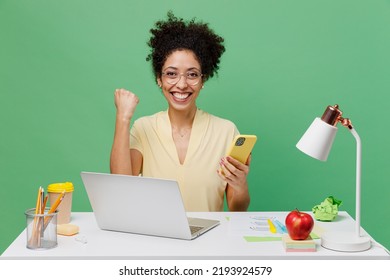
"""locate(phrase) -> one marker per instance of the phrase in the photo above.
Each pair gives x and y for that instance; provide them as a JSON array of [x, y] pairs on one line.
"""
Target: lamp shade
[[318, 139]]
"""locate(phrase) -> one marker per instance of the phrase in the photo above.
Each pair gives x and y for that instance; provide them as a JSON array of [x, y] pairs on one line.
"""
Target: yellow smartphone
[[241, 147]]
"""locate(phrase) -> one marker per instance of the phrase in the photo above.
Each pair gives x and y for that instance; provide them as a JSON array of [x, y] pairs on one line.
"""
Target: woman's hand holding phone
[[234, 168]]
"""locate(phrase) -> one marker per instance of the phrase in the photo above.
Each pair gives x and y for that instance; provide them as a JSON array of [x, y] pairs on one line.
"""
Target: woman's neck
[[182, 119]]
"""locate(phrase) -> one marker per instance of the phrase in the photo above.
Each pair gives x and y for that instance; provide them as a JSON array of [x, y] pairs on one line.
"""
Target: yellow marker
[[271, 226]]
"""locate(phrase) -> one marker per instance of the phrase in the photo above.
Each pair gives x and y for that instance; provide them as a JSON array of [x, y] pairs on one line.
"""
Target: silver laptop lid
[[137, 204]]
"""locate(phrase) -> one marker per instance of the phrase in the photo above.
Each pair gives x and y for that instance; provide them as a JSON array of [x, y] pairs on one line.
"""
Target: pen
[[42, 207], [271, 226], [280, 226]]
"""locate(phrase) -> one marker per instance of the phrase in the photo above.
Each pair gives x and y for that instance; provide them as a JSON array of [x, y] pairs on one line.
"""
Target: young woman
[[182, 143]]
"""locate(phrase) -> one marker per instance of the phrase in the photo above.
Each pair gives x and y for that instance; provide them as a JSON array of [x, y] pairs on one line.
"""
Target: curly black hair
[[177, 34]]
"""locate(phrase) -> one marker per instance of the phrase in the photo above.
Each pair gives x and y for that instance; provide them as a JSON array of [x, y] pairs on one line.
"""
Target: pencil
[[53, 208], [37, 207], [35, 236], [44, 204]]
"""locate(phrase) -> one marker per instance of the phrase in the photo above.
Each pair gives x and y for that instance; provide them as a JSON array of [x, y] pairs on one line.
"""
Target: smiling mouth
[[181, 96]]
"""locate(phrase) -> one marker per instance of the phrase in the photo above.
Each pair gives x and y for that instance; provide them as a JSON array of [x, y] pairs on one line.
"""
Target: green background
[[60, 62]]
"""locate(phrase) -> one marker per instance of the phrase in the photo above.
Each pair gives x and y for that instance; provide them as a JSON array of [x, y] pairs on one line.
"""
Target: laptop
[[141, 205]]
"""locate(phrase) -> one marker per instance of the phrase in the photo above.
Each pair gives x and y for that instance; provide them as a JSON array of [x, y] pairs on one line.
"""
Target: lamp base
[[345, 242]]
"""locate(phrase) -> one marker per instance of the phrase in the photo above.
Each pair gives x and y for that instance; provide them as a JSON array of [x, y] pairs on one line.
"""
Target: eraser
[[67, 229]]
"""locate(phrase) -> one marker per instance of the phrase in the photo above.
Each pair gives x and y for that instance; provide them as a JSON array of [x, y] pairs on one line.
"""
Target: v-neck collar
[[199, 127]]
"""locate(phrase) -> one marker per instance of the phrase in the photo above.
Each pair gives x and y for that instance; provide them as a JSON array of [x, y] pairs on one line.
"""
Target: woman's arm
[[123, 160]]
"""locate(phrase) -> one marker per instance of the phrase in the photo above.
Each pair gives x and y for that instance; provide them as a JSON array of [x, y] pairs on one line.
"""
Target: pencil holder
[[41, 229]]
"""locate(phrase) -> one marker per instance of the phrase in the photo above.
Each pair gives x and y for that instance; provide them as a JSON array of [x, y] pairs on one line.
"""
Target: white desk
[[218, 243]]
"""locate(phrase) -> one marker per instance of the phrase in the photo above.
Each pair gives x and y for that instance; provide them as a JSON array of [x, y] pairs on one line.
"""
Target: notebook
[[141, 205]]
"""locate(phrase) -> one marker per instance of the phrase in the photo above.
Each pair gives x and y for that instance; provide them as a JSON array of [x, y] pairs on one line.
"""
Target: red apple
[[299, 225]]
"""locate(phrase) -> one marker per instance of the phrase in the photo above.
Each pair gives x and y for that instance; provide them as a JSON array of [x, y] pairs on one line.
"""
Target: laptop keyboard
[[195, 229]]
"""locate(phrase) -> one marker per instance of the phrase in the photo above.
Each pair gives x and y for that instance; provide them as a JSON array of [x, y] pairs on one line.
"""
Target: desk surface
[[221, 242]]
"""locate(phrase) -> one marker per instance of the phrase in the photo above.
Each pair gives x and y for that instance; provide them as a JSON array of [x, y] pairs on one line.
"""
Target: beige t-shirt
[[200, 185]]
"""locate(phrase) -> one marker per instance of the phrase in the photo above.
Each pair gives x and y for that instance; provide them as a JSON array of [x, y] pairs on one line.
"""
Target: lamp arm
[[358, 177]]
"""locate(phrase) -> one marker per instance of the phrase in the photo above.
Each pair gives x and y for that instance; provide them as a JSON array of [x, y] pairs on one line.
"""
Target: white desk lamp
[[317, 142]]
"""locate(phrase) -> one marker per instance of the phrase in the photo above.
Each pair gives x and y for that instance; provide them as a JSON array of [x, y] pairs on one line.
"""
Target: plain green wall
[[60, 62]]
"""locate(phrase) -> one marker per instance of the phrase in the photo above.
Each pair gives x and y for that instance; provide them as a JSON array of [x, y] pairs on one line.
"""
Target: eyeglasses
[[193, 77]]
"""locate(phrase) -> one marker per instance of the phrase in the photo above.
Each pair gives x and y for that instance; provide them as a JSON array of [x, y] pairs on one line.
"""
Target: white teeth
[[180, 95]]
